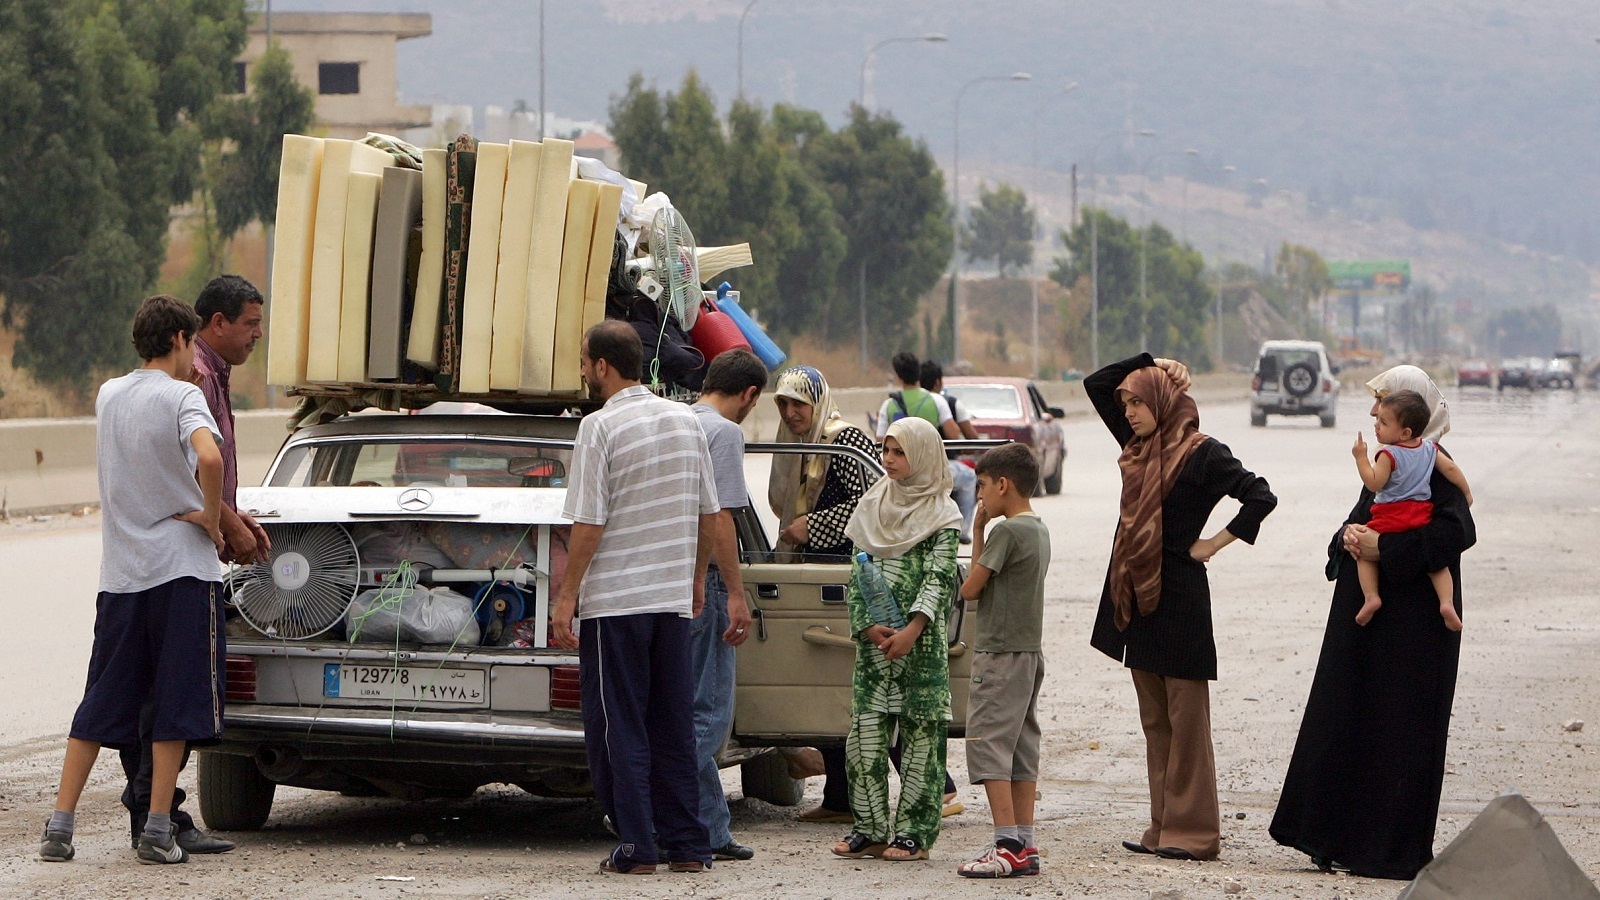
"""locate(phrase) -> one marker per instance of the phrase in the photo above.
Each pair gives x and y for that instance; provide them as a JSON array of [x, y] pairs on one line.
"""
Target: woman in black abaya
[[1362, 790]]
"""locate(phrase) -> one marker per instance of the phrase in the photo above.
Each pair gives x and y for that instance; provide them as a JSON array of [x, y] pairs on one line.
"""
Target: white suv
[[1294, 378]]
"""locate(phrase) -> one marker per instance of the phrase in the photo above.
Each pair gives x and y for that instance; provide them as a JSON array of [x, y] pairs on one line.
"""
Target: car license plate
[[1291, 402], [423, 684]]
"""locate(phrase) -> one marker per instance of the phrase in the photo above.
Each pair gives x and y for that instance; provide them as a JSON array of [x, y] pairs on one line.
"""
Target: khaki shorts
[[1002, 717]]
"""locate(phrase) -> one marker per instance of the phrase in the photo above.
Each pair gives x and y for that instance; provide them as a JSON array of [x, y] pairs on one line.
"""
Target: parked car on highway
[[322, 695], [1012, 409], [1521, 373], [1474, 373], [1558, 373], [1294, 378]]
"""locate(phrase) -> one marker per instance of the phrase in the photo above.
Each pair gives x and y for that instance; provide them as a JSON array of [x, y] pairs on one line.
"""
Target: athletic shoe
[[56, 846], [1032, 867], [193, 840], [998, 861], [161, 852]]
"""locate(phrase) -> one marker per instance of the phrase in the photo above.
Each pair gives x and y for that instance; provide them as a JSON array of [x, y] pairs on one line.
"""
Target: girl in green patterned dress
[[909, 526]]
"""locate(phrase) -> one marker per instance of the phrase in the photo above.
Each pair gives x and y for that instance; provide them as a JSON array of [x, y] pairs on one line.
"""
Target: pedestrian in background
[[913, 400], [642, 499], [733, 384], [961, 471], [1155, 610]]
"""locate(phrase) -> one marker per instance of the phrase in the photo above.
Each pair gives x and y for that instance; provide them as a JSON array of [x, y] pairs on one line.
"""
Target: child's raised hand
[[1359, 451], [980, 516]]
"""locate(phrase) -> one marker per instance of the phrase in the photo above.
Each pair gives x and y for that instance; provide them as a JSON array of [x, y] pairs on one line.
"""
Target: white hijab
[[894, 516], [1411, 378]]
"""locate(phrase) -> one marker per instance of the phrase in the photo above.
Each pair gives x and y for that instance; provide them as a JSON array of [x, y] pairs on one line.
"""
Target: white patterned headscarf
[[1411, 378], [894, 516]]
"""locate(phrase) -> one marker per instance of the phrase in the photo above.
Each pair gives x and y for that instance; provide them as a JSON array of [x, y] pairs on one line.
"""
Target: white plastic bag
[[436, 616]]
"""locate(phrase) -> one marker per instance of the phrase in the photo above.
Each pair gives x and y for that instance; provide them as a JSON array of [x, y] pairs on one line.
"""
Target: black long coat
[[1363, 785], [1176, 640]]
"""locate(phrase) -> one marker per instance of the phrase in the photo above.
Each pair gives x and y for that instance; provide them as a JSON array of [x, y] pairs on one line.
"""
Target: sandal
[[858, 846], [823, 814], [910, 849]]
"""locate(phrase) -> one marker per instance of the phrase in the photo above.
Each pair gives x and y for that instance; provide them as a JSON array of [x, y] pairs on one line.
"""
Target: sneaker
[[56, 846], [161, 852], [1032, 868], [193, 840], [997, 862]]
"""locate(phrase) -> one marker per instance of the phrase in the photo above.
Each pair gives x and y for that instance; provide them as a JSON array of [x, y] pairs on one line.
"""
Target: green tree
[[245, 184], [98, 106], [1302, 280], [1173, 320], [1000, 227], [889, 197], [1524, 331]]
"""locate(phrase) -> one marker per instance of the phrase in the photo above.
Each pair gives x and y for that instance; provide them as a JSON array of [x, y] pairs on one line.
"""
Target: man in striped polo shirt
[[642, 499]]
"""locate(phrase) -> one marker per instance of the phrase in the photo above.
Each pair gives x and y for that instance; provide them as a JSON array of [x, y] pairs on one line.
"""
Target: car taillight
[[1255, 383], [564, 692], [240, 686], [1327, 385]]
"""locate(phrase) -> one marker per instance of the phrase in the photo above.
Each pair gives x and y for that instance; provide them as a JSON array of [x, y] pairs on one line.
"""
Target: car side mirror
[[1057, 412]]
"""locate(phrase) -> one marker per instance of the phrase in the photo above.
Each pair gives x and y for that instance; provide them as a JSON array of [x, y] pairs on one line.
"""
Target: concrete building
[[348, 59]]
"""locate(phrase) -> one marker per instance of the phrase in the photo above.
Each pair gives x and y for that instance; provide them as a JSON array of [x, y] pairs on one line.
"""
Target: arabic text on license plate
[[415, 683]]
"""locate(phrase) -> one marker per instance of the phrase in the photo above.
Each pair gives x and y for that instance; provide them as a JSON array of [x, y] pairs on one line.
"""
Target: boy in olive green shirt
[[1006, 586]]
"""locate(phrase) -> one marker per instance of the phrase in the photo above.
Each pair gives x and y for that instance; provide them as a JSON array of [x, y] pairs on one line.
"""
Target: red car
[[1012, 409], [1474, 372]]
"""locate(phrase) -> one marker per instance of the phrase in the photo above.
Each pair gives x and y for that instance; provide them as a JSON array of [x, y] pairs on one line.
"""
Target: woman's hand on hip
[[1202, 550]]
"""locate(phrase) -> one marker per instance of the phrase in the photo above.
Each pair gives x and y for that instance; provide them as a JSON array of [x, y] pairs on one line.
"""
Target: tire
[[1258, 419], [234, 795], [1299, 379], [767, 778], [1329, 420], [1052, 482]]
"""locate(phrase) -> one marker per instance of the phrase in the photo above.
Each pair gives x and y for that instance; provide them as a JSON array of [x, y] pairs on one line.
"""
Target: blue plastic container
[[763, 347]]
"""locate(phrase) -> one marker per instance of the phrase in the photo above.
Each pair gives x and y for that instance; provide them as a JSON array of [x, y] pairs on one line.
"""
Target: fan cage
[[672, 251], [318, 594]]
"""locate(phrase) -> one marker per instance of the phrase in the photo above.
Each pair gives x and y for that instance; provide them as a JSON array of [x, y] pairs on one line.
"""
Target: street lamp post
[[866, 62], [1144, 188], [1094, 242], [740, 53], [1033, 267], [955, 223]]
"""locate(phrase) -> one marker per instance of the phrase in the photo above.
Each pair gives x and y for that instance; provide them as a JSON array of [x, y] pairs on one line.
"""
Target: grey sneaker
[[161, 852], [56, 846]]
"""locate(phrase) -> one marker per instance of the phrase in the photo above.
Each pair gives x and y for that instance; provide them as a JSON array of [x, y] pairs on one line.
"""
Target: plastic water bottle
[[875, 591]]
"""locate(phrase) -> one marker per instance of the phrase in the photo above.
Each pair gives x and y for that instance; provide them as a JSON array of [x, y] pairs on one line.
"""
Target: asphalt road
[[1531, 657]]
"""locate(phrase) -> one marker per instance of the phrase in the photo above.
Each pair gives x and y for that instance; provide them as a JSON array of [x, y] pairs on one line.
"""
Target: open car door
[[793, 676]]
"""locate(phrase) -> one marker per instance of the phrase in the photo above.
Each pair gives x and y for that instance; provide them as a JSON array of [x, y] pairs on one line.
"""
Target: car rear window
[[988, 401], [451, 463]]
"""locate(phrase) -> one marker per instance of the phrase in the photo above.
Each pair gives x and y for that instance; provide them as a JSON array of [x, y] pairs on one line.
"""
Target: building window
[[339, 78], [239, 80]]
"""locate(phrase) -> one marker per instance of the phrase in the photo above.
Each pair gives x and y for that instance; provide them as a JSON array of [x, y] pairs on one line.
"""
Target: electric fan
[[672, 255], [306, 587]]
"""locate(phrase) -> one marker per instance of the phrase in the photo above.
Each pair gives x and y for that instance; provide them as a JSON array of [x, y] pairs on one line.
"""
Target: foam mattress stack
[[484, 268]]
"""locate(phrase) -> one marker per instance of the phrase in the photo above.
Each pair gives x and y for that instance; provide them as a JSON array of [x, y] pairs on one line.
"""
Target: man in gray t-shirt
[[158, 619], [732, 386]]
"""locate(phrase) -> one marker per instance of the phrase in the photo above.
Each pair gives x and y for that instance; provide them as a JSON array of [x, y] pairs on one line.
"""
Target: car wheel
[[234, 795], [1258, 418], [1330, 419], [1052, 482], [767, 778], [1299, 379]]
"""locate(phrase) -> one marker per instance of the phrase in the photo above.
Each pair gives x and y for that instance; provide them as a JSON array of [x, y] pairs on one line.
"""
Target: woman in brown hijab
[[1155, 610]]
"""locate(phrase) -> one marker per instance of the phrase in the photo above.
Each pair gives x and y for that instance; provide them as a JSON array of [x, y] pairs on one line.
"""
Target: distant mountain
[[1481, 116]]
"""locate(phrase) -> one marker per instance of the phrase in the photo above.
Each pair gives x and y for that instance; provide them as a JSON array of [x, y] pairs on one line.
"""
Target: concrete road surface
[[1530, 661]]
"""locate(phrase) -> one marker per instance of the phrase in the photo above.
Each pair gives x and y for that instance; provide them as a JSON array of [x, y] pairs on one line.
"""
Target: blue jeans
[[713, 663], [965, 493]]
